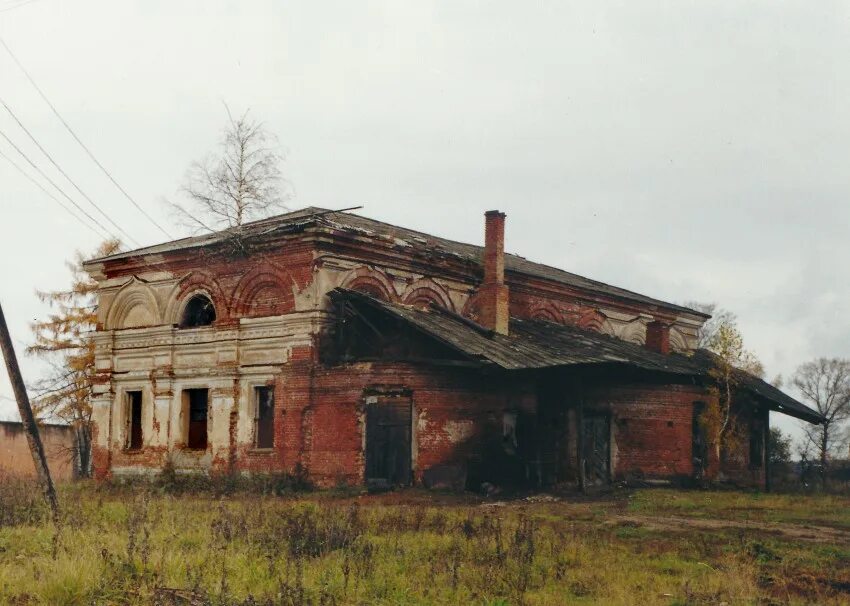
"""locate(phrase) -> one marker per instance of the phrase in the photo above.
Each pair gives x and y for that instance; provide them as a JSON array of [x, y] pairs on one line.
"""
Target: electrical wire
[[19, 5], [78, 140], [64, 174], [48, 194], [59, 189]]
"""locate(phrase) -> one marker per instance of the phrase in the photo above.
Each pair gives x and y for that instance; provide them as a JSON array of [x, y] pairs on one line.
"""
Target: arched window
[[199, 311]]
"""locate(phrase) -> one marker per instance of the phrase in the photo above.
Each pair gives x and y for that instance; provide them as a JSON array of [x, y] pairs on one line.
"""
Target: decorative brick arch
[[372, 282], [546, 311], [597, 321], [263, 291], [426, 291], [134, 306], [193, 284]]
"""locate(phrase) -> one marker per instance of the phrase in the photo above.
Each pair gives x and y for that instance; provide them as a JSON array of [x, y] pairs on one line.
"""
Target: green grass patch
[[135, 545]]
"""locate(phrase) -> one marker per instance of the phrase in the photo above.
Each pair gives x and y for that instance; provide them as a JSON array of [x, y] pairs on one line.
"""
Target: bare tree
[[719, 317], [825, 384], [242, 182]]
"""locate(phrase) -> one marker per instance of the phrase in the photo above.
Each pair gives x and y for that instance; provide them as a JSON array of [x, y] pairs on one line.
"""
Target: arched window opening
[[199, 311]]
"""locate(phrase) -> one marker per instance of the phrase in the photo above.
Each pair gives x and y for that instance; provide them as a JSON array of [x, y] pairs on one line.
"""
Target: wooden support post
[[28, 419], [766, 450], [582, 464]]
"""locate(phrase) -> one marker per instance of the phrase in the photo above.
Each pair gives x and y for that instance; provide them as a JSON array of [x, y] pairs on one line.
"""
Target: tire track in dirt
[[801, 532]]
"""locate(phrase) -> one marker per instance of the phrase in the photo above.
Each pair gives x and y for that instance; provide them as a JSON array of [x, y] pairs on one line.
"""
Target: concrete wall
[[15, 457]]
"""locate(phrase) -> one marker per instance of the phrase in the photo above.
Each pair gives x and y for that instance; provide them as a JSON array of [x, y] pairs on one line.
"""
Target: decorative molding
[[426, 290], [134, 306], [192, 284], [372, 281], [264, 279]]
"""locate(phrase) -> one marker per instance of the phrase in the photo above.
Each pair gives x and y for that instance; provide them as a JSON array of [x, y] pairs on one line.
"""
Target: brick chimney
[[658, 337], [494, 303]]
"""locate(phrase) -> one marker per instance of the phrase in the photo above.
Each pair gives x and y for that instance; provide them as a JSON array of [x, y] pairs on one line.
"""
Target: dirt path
[[802, 532]]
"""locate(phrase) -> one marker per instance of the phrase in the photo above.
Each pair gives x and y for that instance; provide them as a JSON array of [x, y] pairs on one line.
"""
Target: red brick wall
[[457, 412], [241, 286], [651, 428]]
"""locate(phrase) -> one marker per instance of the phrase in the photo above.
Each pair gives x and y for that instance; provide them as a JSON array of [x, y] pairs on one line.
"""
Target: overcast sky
[[685, 150]]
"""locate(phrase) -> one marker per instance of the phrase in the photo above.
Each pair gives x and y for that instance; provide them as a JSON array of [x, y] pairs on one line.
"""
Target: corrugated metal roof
[[538, 344], [347, 221]]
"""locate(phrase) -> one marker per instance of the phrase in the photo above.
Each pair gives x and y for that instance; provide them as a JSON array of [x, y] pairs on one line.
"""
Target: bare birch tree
[[825, 384], [719, 317], [241, 182]]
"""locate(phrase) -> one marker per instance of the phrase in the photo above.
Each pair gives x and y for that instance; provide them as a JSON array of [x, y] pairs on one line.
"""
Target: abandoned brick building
[[358, 352]]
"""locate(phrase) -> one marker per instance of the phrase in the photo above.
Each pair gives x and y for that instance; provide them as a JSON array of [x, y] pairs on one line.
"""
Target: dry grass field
[[158, 545]]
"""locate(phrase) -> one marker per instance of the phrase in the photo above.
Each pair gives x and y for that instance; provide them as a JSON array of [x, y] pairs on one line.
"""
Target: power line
[[83, 145], [59, 189], [19, 5], [64, 174], [49, 195]]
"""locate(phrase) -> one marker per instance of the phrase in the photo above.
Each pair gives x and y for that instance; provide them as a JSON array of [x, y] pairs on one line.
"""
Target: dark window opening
[[264, 417], [199, 311], [134, 420], [198, 400], [756, 444]]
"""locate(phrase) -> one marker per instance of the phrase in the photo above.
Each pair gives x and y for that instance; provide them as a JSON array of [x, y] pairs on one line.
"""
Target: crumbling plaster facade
[[272, 307]]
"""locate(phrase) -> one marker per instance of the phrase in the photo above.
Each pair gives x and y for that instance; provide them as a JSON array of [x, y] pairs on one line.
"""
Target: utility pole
[[28, 419]]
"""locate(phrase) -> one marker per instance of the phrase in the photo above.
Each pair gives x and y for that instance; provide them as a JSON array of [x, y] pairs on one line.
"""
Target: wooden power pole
[[27, 418]]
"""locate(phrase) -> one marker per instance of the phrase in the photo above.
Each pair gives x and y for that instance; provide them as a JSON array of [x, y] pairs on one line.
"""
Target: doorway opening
[[389, 452], [596, 442]]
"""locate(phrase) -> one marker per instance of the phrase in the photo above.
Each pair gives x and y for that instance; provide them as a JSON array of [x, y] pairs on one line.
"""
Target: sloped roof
[[538, 344], [705, 361], [350, 222], [531, 343]]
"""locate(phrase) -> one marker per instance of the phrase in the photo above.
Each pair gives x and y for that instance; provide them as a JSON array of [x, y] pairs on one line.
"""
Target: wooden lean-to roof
[[538, 344]]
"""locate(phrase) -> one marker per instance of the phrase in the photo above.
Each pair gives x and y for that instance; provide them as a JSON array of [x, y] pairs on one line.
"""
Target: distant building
[[59, 446], [359, 352]]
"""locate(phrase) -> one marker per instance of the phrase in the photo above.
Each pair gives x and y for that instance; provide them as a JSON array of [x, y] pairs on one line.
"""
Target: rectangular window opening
[[198, 400], [264, 417], [134, 420]]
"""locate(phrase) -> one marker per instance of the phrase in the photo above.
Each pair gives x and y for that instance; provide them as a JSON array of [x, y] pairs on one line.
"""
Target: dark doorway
[[699, 443], [198, 400], [596, 440], [388, 440], [134, 420]]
